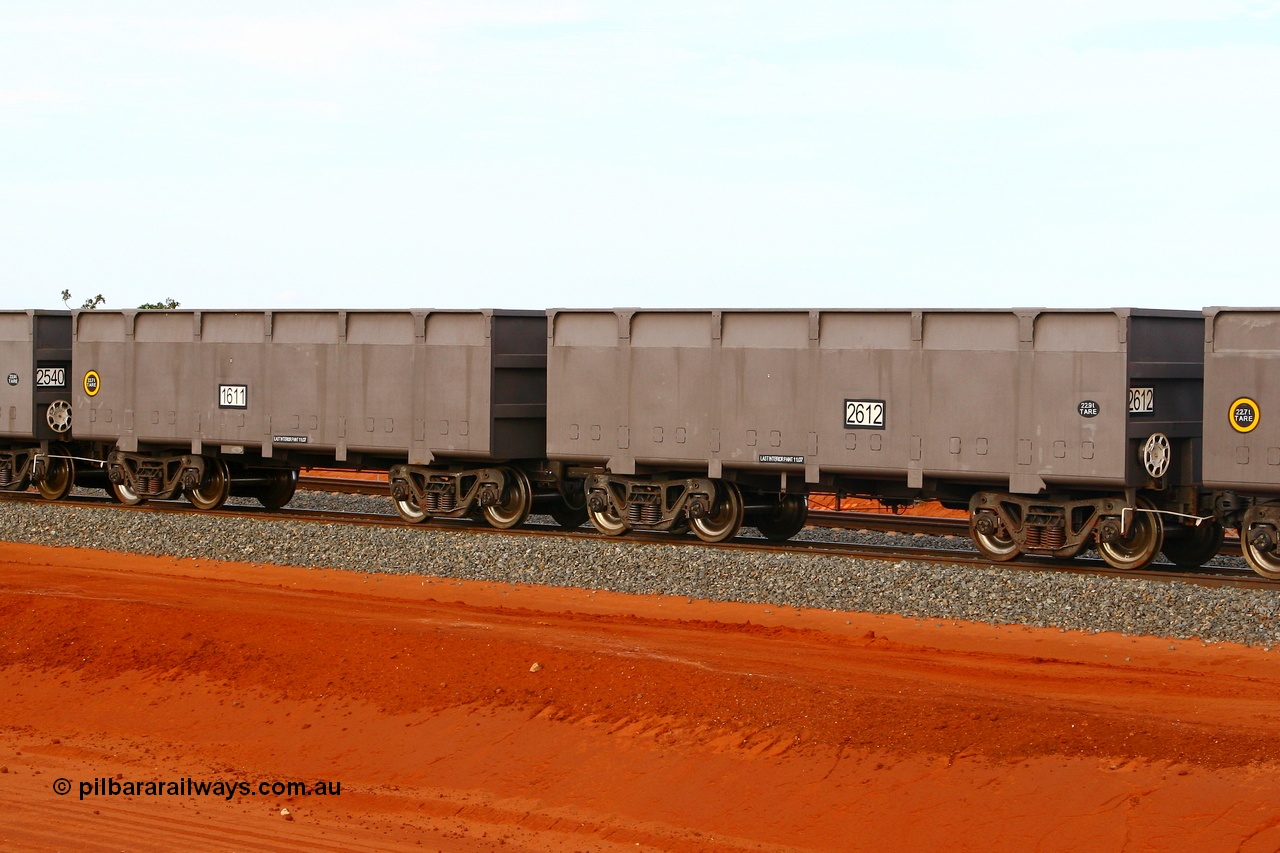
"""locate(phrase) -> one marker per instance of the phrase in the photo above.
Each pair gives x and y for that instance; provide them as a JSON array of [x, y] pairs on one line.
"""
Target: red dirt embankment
[[478, 716]]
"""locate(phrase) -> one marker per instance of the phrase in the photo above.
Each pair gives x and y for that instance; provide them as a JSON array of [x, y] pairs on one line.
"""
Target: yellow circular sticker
[[92, 382], [1244, 415]]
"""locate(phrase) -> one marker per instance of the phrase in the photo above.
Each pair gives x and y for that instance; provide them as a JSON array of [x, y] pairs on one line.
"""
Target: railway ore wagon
[[211, 403], [1054, 428], [36, 436], [1242, 427]]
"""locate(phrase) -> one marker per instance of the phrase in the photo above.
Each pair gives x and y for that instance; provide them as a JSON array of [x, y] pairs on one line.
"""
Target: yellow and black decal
[[1245, 415], [92, 382]]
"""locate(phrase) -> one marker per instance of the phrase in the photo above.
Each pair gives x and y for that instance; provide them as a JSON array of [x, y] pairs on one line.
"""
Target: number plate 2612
[[864, 414]]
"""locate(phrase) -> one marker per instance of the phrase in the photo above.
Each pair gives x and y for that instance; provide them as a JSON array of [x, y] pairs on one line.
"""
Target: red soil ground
[[650, 723], [933, 509]]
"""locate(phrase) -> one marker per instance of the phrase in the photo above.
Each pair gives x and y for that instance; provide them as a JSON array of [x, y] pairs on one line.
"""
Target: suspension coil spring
[[149, 484], [1050, 537], [439, 501], [6, 475], [644, 513]]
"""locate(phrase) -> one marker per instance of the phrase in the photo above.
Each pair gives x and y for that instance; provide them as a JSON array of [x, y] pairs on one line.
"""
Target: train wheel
[[1259, 548], [408, 509], [126, 495], [569, 511], [998, 545], [59, 476], [726, 521], [279, 488], [215, 489], [1198, 546], [607, 521], [516, 503], [1140, 548], [786, 520]]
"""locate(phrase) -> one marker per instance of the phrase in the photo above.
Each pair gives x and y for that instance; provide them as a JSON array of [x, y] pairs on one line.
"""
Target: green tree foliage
[[167, 303], [89, 304]]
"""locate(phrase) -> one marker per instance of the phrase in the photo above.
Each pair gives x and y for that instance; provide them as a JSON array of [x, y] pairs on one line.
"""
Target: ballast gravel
[[995, 595]]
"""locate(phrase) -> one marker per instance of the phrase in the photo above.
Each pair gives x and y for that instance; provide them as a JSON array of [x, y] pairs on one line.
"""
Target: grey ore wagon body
[[1049, 425], [452, 403], [1242, 427]]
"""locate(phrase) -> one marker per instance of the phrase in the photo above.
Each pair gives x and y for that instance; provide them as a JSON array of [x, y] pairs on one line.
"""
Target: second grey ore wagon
[[1056, 429]]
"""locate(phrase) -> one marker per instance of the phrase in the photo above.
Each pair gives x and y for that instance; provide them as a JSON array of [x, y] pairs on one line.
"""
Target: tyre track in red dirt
[[480, 716]]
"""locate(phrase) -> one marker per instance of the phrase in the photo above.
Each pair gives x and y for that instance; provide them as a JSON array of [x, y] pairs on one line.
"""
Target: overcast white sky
[[533, 155]]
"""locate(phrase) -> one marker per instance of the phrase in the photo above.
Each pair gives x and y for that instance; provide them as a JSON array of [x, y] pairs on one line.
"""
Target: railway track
[[888, 522], [1208, 576]]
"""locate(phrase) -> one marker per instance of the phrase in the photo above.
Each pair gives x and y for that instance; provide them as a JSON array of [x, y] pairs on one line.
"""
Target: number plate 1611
[[233, 396]]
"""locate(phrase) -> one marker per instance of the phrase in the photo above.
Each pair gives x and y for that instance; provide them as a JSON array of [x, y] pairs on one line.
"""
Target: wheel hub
[[986, 524], [1261, 538]]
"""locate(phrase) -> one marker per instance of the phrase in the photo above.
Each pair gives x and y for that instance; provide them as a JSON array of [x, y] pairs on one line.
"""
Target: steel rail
[[888, 522], [1206, 576]]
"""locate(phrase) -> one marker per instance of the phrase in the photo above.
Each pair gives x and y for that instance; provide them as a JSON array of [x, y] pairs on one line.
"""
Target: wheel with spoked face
[[1156, 455], [58, 416], [725, 520]]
